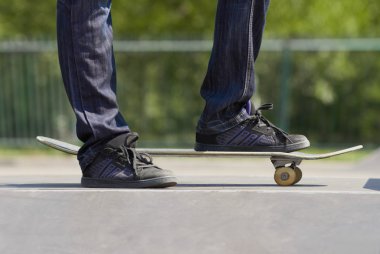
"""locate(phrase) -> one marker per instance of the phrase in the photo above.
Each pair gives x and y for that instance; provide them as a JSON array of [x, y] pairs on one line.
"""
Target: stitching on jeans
[[76, 73], [250, 51]]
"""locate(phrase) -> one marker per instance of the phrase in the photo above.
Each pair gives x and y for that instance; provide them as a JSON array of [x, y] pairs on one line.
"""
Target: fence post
[[286, 70]]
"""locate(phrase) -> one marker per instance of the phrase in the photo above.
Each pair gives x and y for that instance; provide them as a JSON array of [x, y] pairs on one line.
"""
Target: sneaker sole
[[286, 149], [159, 182]]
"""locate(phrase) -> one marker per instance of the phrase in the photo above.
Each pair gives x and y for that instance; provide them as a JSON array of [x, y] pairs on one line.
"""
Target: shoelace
[[138, 160], [261, 120]]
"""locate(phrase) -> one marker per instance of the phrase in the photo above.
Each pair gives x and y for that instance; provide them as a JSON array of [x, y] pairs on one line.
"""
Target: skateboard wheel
[[285, 176], [298, 174]]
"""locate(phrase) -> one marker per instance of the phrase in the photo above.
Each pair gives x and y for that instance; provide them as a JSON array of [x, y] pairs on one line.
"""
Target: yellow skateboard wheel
[[285, 176], [298, 174]]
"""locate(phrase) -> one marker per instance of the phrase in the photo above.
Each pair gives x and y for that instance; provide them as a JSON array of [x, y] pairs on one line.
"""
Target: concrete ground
[[219, 206]]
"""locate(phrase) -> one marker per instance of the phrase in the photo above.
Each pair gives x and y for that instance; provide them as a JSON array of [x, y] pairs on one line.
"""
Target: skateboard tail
[[59, 145]]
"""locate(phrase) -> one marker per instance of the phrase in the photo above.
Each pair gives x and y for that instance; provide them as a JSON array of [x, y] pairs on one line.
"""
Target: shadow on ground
[[230, 185], [185, 185], [372, 184], [42, 185]]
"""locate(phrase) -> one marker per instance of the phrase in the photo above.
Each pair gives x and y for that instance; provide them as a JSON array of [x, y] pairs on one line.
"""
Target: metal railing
[[33, 102]]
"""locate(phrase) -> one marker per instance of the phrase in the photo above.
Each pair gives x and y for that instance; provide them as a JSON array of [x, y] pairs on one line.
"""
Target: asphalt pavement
[[219, 206]]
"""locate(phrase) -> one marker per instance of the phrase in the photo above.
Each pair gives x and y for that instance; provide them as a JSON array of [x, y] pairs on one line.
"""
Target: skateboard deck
[[286, 164]]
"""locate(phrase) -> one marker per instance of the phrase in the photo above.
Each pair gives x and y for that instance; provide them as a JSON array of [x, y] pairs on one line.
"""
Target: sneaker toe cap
[[155, 173], [296, 138]]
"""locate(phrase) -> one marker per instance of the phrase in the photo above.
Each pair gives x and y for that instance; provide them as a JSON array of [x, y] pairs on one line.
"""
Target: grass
[[27, 151]]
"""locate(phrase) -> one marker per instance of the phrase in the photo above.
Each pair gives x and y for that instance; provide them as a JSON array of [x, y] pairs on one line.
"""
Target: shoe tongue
[[250, 108], [131, 139], [127, 139]]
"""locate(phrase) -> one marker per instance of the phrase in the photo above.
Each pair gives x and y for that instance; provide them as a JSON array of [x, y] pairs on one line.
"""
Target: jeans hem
[[88, 152]]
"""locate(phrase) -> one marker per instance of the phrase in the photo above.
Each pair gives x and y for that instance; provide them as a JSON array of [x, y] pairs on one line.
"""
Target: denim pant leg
[[229, 82], [84, 32]]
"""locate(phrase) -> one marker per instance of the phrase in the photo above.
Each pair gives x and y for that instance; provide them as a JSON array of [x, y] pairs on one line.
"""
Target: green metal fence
[[327, 89]]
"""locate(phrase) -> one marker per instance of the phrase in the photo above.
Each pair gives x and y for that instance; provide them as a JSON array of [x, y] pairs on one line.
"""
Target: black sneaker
[[255, 134], [119, 165]]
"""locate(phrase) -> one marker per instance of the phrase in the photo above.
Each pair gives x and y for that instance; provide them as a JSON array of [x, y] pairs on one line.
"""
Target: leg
[[88, 69], [108, 157], [229, 81], [225, 125]]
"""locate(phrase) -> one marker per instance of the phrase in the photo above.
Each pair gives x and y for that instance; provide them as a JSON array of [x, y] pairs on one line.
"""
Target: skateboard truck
[[279, 162]]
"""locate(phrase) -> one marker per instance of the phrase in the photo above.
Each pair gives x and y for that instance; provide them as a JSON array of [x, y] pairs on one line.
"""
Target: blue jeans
[[84, 32], [230, 81]]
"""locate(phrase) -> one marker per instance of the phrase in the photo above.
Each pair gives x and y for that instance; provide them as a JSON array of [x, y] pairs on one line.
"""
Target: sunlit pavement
[[219, 206]]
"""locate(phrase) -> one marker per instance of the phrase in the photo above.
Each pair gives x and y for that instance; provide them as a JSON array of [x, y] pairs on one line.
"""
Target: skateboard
[[287, 171]]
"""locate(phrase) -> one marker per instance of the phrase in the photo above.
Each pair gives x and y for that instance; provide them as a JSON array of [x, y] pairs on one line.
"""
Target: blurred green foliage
[[334, 96], [194, 19]]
